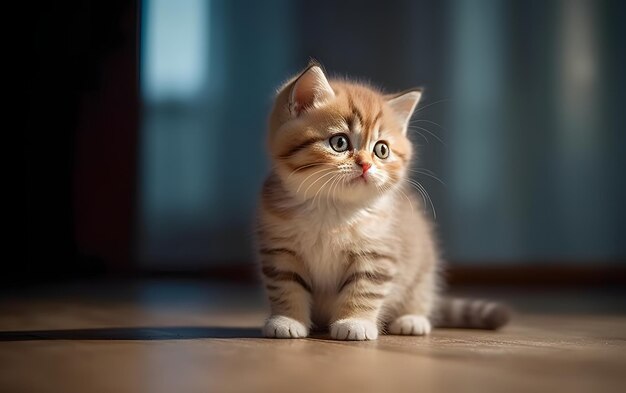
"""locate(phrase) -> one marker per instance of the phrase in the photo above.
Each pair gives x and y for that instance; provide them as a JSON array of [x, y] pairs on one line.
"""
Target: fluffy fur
[[342, 240]]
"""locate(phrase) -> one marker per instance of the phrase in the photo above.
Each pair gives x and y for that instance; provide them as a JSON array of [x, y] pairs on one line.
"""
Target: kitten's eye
[[339, 143], [381, 150]]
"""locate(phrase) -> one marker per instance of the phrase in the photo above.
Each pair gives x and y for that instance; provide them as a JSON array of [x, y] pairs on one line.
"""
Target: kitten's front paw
[[354, 329], [280, 326], [410, 325]]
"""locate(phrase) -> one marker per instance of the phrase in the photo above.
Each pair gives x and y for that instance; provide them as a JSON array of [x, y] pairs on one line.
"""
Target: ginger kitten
[[342, 241]]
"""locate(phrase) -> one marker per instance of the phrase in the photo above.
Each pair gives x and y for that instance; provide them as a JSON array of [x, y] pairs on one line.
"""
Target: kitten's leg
[[361, 296], [411, 325], [289, 294], [414, 320]]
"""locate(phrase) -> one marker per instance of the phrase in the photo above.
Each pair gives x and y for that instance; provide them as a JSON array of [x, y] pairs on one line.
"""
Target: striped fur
[[471, 313], [341, 246]]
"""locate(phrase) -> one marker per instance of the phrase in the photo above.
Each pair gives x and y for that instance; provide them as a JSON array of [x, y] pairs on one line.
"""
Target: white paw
[[279, 326], [410, 325], [354, 329]]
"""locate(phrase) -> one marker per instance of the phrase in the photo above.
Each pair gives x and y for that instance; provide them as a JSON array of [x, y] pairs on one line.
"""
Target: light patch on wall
[[479, 78], [578, 78], [174, 48]]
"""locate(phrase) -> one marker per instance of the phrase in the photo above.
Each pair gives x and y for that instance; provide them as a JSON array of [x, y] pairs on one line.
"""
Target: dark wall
[[81, 138]]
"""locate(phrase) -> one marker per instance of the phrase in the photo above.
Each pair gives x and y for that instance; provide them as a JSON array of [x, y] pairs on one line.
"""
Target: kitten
[[342, 241]]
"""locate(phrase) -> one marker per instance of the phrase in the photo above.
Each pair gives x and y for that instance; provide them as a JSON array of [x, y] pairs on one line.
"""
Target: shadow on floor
[[133, 333]]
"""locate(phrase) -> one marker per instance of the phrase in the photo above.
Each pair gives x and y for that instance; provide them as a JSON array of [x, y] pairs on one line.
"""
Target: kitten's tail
[[471, 314]]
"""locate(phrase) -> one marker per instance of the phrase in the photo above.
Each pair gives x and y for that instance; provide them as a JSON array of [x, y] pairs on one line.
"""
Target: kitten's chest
[[324, 244]]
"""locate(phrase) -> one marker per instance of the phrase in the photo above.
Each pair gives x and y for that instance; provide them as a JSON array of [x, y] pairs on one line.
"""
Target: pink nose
[[365, 166]]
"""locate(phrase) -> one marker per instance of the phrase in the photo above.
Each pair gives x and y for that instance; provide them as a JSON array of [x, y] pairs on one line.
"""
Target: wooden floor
[[171, 336]]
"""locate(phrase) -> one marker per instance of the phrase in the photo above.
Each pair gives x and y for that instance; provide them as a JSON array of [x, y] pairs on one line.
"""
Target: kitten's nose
[[365, 166], [362, 160]]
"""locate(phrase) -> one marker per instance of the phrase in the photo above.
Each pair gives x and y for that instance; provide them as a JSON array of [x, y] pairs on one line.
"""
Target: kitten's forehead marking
[[355, 123], [374, 124], [378, 127], [363, 124], [356, 131]]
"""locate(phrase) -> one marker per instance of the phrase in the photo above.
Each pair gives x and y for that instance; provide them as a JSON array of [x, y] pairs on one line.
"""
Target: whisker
[[428, 131], [387, 188], [316, 180], [418, 189], [431, 104], [425, 170], [418, 133], [427, 174], [408, 199], [335, 186], [431, 122], [341, 184], [307, 166], [337, 179], [320, 190], [424, 193], [330, 197], [312, 174]]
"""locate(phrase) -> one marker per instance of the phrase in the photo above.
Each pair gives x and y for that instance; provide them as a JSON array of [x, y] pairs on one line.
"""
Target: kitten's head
[[339, 141]]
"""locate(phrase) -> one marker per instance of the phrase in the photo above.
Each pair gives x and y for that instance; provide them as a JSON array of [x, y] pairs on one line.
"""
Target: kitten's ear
[[309, 90], [404, 104]]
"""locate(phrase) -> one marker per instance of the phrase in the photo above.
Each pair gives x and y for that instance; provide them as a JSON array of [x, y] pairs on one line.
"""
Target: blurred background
[[147, 126]]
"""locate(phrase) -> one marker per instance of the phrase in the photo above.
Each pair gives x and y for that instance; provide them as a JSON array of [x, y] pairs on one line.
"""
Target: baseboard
[[455, 274]]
